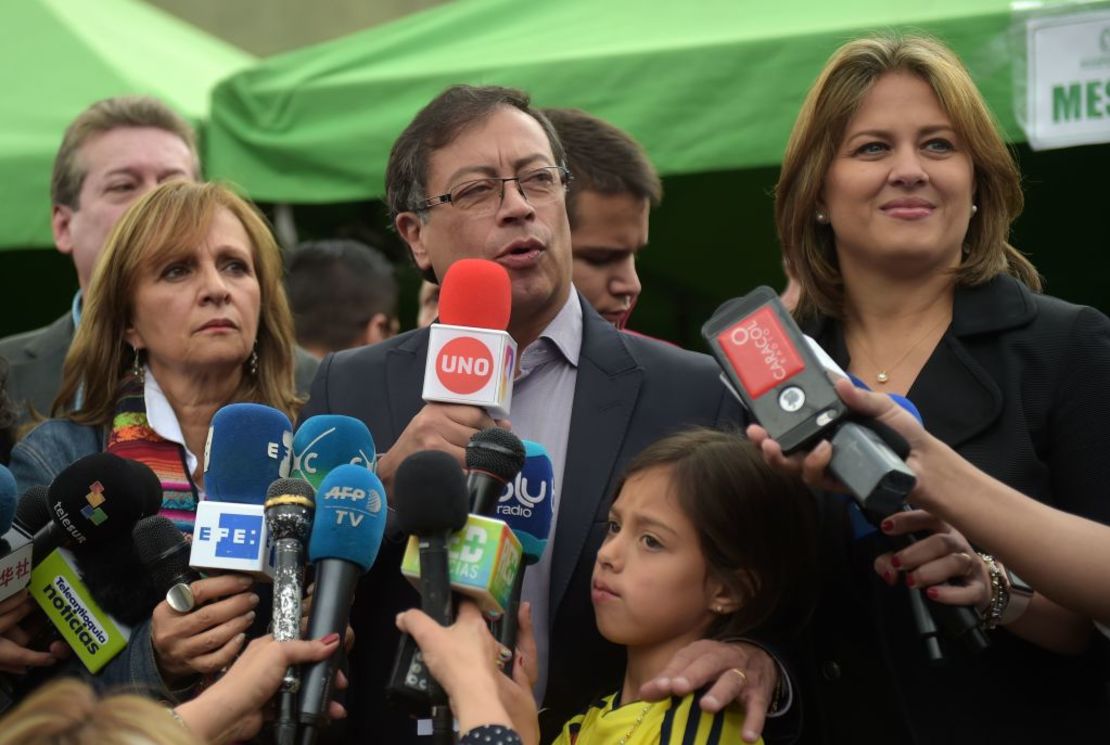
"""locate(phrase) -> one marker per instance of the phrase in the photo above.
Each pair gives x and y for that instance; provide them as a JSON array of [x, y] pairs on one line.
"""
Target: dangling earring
[[253, 362], [822, 218], [137, 369], [974, 209]]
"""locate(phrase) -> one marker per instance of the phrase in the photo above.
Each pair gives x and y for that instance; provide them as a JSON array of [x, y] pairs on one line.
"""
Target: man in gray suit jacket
[[114, 152], [479, 173]]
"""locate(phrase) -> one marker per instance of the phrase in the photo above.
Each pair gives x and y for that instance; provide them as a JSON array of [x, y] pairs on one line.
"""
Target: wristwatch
[[1010, 595]]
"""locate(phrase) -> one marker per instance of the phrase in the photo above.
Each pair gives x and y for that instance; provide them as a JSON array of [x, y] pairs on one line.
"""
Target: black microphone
[[346, 535], [494, 457], [289, 509], [33, 511], [430, 496], [164, 553]]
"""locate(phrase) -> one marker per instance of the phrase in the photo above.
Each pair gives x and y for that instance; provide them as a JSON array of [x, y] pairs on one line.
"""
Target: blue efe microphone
[[248, 448], [327, 441], [527, 505], [346, 535]]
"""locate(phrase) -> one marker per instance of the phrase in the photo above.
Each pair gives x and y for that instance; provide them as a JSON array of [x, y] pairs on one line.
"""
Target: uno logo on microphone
[[464, 365]]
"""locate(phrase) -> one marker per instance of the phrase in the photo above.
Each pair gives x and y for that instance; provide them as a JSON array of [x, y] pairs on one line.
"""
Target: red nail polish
[[888, 525], [932, 592], [910, 581], [896, 562]]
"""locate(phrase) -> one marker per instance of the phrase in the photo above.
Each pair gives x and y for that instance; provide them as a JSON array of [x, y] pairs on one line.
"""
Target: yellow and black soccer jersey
[[674, 721]]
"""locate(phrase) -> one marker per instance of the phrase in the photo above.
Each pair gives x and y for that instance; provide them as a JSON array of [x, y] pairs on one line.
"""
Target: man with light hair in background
[[114, 152]]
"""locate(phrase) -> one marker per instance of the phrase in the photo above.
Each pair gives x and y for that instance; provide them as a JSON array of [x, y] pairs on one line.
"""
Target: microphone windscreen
[[476, 293], [162, 549], [430, 494], [99, 498], [325, 441], [527, 504], [248, 448], [7, 499], [496, 451], [350, 517], [33, 512]]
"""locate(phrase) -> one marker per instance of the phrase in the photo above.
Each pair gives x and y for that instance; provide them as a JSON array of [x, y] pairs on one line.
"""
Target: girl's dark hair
[[756, 527]]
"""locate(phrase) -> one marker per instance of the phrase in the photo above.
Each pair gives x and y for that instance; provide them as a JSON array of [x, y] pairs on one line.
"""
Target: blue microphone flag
[[350, 519], [527, 503], [248, 448], [329, 440]]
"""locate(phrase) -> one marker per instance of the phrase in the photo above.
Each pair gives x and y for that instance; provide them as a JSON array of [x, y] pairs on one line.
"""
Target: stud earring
[[822, 218], [974, 209]]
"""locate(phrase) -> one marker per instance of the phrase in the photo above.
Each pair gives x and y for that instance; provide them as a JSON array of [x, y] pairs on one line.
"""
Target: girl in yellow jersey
[[705, 541]]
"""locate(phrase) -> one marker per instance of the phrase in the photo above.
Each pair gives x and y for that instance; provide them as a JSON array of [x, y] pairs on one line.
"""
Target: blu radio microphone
[[94, 504], [326, 441], [164, 553], [527, 507], [248, 448], [494, 456], [346, 535], [471, 358], [769, 364], [289, 510], [15, 545]]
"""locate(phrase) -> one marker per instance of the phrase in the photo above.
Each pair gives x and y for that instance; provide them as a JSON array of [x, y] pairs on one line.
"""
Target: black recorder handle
[[957, 621]]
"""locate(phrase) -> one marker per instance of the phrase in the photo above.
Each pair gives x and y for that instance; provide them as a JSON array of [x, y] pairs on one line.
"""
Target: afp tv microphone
[[346, 535], [471, 358], [248, 448], [769, 365]]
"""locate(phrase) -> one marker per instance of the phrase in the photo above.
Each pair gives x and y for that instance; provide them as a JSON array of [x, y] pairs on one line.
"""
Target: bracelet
[[1000, 594]]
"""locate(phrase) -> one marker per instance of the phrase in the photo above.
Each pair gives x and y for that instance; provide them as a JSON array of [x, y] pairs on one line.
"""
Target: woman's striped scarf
[[132, 437]]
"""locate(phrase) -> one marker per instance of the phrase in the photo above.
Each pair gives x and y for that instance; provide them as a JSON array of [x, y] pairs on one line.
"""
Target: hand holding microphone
[[468, 377]]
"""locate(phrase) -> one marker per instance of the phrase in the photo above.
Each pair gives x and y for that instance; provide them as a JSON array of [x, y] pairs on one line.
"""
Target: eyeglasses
[[483, 196]]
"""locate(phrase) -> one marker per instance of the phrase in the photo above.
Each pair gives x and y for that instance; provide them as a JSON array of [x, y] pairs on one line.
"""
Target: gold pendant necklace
[[882, 377]]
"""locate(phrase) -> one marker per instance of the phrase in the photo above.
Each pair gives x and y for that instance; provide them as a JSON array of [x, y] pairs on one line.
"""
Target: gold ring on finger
[[970, 563], [741, 673]]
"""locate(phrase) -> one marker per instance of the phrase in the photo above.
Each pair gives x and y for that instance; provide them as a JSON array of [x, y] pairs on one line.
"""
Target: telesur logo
[[464, 365]]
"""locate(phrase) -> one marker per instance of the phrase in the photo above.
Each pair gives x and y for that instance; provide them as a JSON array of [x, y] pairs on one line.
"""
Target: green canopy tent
[[61, 56], [711, 88]]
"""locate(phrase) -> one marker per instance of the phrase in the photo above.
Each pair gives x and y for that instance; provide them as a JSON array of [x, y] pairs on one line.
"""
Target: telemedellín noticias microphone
[[471, 358], [249, 447]]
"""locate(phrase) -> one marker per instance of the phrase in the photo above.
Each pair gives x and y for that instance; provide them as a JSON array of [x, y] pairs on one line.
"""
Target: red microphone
[[471, 358]]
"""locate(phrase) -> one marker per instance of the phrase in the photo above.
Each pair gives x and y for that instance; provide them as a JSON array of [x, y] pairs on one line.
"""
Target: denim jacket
[[36, 459]]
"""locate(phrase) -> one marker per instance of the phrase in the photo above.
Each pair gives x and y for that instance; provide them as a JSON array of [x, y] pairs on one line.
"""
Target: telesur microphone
[[164, 553], [96, 501], [325, 441], [471, 358], [15, 546], [346, 535], [494, 456], [248, 448], [527, 506]]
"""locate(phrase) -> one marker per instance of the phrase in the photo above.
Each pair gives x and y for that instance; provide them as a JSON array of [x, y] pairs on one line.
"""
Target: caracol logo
[[305, 462], [464, 365], [760, 351], [95, 498], [86, 627]]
